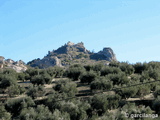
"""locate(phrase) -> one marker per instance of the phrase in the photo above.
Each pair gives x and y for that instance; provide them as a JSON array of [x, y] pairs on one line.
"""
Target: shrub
[[14, 106], [41, 79], [42, 112], [36, 91], [68, 87], [127, 68], [109, 70], [88, 77], [74, 71], [127, 92], [118, 79], [101, 84], [4, 115]]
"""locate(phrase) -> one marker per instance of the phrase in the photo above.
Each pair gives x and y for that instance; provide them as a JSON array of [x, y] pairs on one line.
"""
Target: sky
[[31, 28]]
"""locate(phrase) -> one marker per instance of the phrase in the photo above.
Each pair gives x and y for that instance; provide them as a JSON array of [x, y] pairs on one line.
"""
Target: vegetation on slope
[[81, 92]]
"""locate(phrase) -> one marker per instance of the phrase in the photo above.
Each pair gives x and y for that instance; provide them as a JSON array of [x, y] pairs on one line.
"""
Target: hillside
[[71, 53]]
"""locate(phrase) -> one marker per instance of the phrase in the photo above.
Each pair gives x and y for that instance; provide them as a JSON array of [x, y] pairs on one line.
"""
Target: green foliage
[[61, 103], [14, 106], [41, 79], [4, 115], [36, 91], [88, 77], [127, 68], [113, 101], [77, 111], [67, 87], [13, 90], [32, 71], [109, 70], [6, 80], [157, 91], [97, 67], [156, 105], [127, 92], [139, 67], [131, 108], [102, 102], [42, 112], [21, 76], [154, 73], [88, 67], [54, 99], [10, 72], [135, 79], [75, 71], [114, 64], [101, 83], [118, 79], [143, 90], [55, 71], [117, 115]]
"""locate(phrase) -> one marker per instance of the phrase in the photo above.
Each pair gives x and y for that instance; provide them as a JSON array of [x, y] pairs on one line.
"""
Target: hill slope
[[71, 53]]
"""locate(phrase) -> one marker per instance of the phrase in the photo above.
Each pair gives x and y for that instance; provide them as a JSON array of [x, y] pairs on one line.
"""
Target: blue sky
[[31, 28]]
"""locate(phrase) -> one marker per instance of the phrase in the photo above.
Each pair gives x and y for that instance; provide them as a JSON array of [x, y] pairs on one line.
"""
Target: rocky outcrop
[[18, 66], [48, 61], [71, 53], [1, 61], [108, 53]]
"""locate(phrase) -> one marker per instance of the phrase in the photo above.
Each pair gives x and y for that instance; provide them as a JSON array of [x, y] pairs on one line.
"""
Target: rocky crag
[[71, 53], [18, 66]]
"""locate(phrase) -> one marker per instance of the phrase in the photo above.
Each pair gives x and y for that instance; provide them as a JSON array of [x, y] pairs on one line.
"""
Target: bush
[[131, 108], [143, 90], [156, 105], [6, 81], [88, 77], [139, 67], [97, 67], [42, 112], [101, 84], [102, 102], [74, 71], [21, 76], [109, 70], [127, 68], [41, 79], [13, 90], [14, 106], [77, 111], [118, 79], [67, 87], [4, 115], [88, 67], [56, 71], [32, 71], [127, 92], [36, 91]]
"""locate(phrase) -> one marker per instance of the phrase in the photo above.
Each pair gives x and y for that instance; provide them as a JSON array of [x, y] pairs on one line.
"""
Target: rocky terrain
[[18, 66], [71, 53]]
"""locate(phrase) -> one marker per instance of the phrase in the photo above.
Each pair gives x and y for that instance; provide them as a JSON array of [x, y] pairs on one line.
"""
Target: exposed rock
[[18, 66], [108, 53], [70, 43], [48, 61], [71, 53], [1, 61]]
